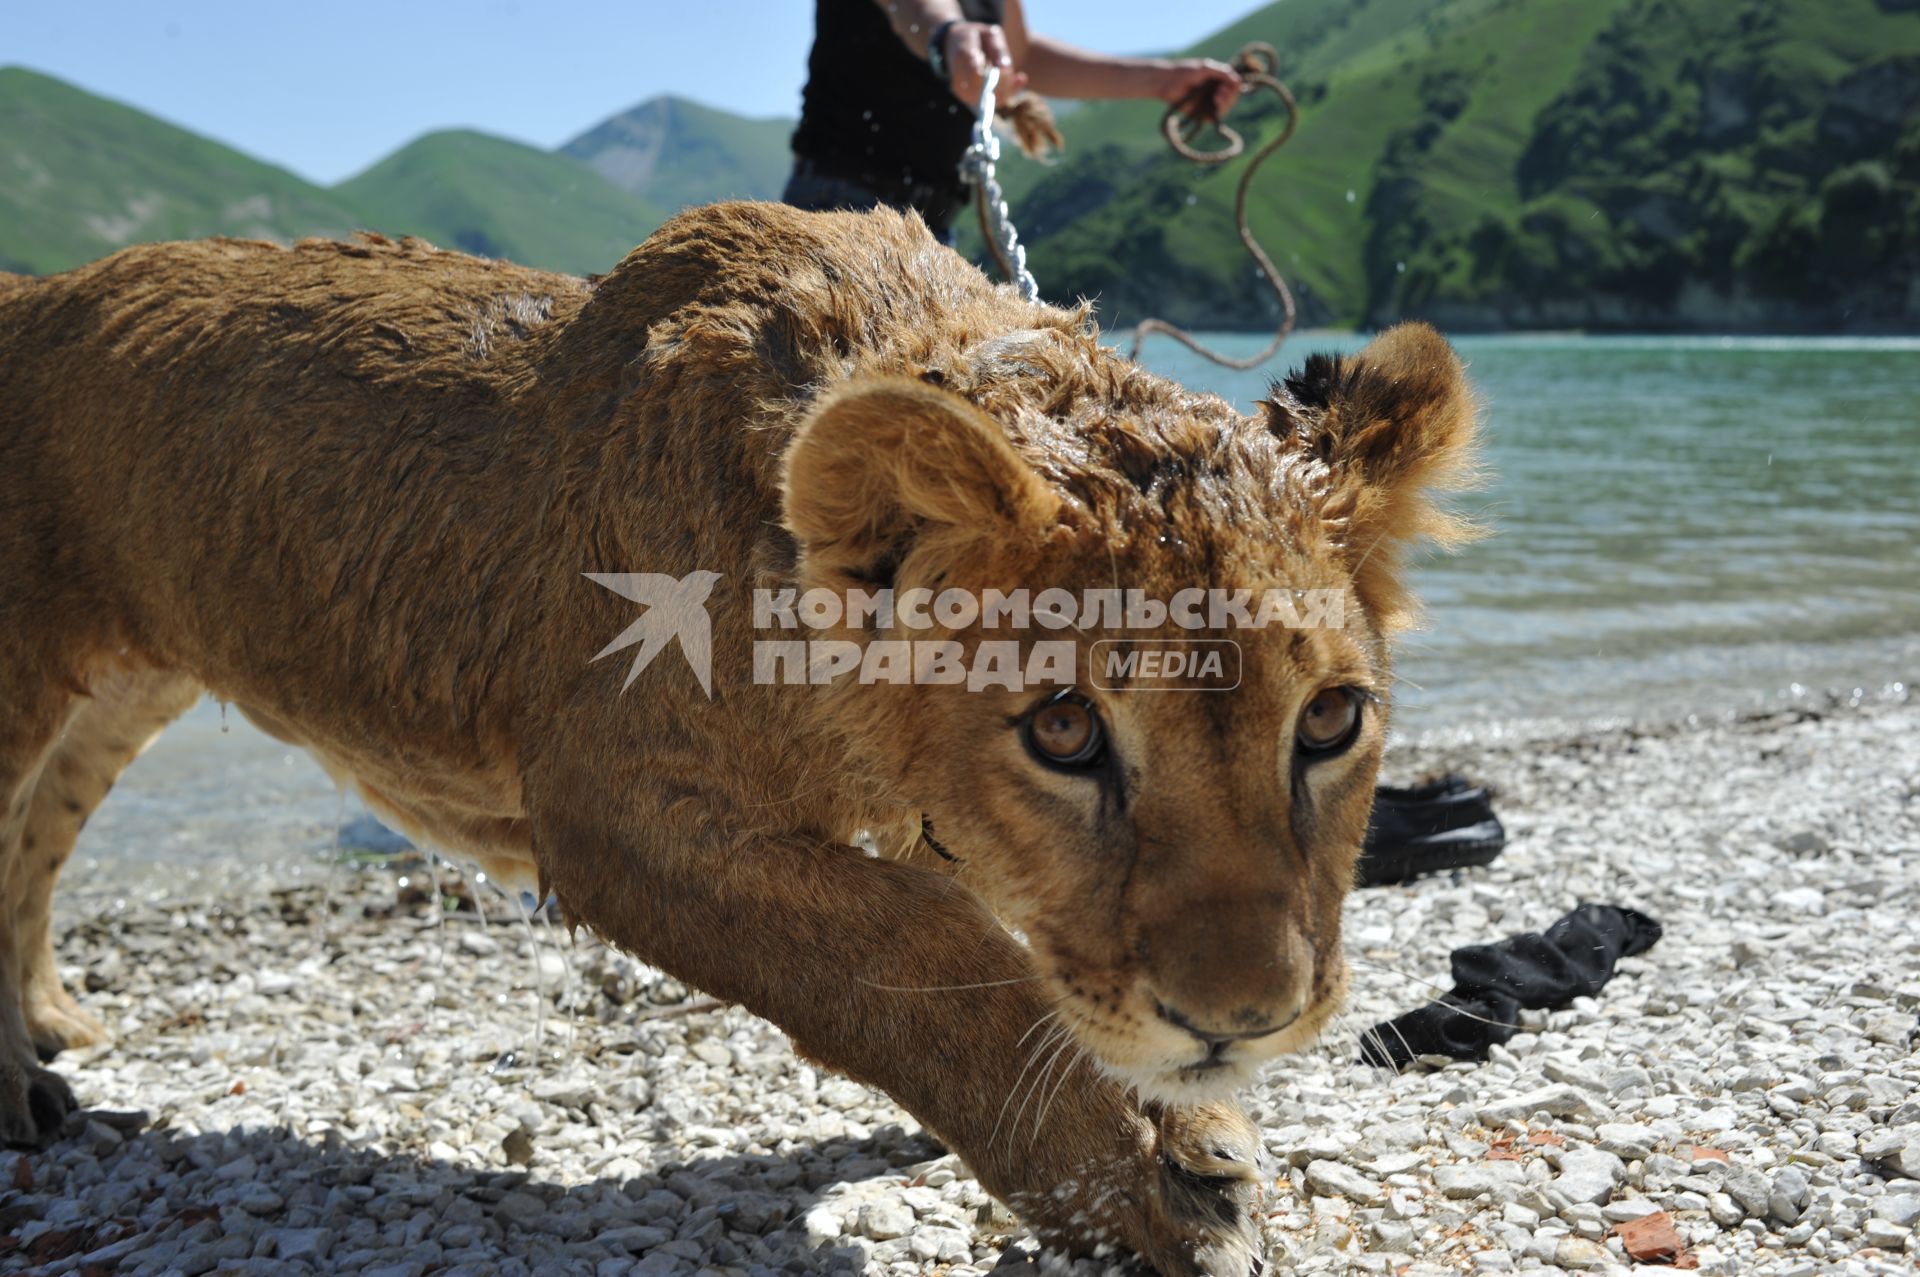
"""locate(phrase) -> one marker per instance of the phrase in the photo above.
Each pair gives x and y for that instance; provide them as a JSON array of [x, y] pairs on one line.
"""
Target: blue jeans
[[808, 188]]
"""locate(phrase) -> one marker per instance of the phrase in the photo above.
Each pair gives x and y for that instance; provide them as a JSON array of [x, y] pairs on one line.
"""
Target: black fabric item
[[1493, 983], [875, 113], [1441, 824]]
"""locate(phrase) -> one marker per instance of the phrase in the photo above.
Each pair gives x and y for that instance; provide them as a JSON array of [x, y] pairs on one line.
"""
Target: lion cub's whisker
[[1041, 1121], [1044, 1017], [1328, 1046], [1061, 1044], [1053, 1033], [1378, 1041], [1408, 975], [1404, 975], [950, 988]]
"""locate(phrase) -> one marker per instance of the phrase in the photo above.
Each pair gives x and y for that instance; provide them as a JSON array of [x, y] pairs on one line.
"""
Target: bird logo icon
[[676, 609]]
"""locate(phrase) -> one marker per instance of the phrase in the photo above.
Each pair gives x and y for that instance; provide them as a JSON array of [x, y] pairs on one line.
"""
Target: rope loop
[[1257, 64]]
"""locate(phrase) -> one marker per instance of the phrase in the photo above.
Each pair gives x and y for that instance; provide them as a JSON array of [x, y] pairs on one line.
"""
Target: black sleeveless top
[[874, 112]]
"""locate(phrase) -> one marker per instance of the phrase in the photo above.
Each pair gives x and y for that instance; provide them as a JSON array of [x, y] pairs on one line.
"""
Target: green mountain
[[1523, 163], [496, 198], [673, 153], [1649, 164], [81, 176]]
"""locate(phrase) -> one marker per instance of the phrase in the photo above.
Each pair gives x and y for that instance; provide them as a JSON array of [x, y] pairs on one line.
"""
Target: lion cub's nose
[[1262, 1026]]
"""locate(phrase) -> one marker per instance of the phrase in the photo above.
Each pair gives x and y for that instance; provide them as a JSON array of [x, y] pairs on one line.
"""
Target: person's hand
[[1191, 82], [972, 47]]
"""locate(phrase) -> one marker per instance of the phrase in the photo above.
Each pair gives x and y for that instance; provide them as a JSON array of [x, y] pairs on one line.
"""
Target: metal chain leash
[[996, 223], [1258, 65]]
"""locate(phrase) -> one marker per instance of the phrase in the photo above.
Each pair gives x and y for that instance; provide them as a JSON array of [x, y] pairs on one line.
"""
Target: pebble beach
[[318, 1070]]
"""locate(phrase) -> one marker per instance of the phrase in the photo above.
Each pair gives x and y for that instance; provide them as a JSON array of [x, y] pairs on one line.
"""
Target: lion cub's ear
[[1393, 424], [881, 461]]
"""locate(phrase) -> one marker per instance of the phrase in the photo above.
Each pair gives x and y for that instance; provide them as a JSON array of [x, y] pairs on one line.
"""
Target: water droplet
[[539, 978]]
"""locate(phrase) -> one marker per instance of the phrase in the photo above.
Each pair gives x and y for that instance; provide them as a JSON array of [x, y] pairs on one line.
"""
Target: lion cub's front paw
[[1210, 1184], [57, 1023]]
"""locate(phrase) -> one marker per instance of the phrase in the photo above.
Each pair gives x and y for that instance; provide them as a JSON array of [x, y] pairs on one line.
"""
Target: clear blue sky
[[328, 89]]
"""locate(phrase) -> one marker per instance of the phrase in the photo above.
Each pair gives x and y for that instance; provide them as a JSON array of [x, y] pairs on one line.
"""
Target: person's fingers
[[967, 61], [1196, 96], [994, 50], [993, 43], [1204, 86], [1226, 93], [971, 48], [966, 82], [1193, 85]]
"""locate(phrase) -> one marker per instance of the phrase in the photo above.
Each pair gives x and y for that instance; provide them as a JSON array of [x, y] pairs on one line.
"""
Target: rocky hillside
[[81, 176], [1643, 164], [1744, 165], [673, 152], [497, 198]]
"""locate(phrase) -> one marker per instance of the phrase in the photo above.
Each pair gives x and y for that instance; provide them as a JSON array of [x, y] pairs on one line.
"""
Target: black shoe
[[1437, 825]]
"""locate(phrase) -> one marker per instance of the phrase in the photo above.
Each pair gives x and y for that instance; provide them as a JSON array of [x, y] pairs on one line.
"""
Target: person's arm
[[1060, 70], [1046, 65], [915, 21], [970, 47]]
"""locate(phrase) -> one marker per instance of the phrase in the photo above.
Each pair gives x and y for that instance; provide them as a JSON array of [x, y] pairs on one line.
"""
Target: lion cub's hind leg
[[108, 731]]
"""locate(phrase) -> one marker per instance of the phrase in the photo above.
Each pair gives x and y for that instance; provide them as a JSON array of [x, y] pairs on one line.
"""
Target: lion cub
[[876, 545]]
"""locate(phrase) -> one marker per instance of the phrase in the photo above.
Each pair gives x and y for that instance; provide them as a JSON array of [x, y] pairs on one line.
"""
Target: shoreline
[[1811, 338], [335, 1083], [272, 811]]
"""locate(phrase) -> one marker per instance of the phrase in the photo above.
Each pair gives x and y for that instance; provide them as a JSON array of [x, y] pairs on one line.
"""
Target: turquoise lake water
[[1679, 525]]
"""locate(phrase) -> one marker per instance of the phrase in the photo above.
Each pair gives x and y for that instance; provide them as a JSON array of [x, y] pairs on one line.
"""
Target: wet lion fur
[[354, 488]]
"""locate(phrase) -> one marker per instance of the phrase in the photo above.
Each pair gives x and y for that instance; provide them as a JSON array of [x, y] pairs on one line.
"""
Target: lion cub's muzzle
[[1226, 968], [1220, 991]]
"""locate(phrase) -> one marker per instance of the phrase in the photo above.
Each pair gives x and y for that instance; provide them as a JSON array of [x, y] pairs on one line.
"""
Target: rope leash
[[996, 223], [1258, 65]]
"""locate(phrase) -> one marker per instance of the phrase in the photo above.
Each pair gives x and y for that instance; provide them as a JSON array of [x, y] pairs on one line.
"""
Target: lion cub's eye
[[1066, 732], [1329, 722]]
